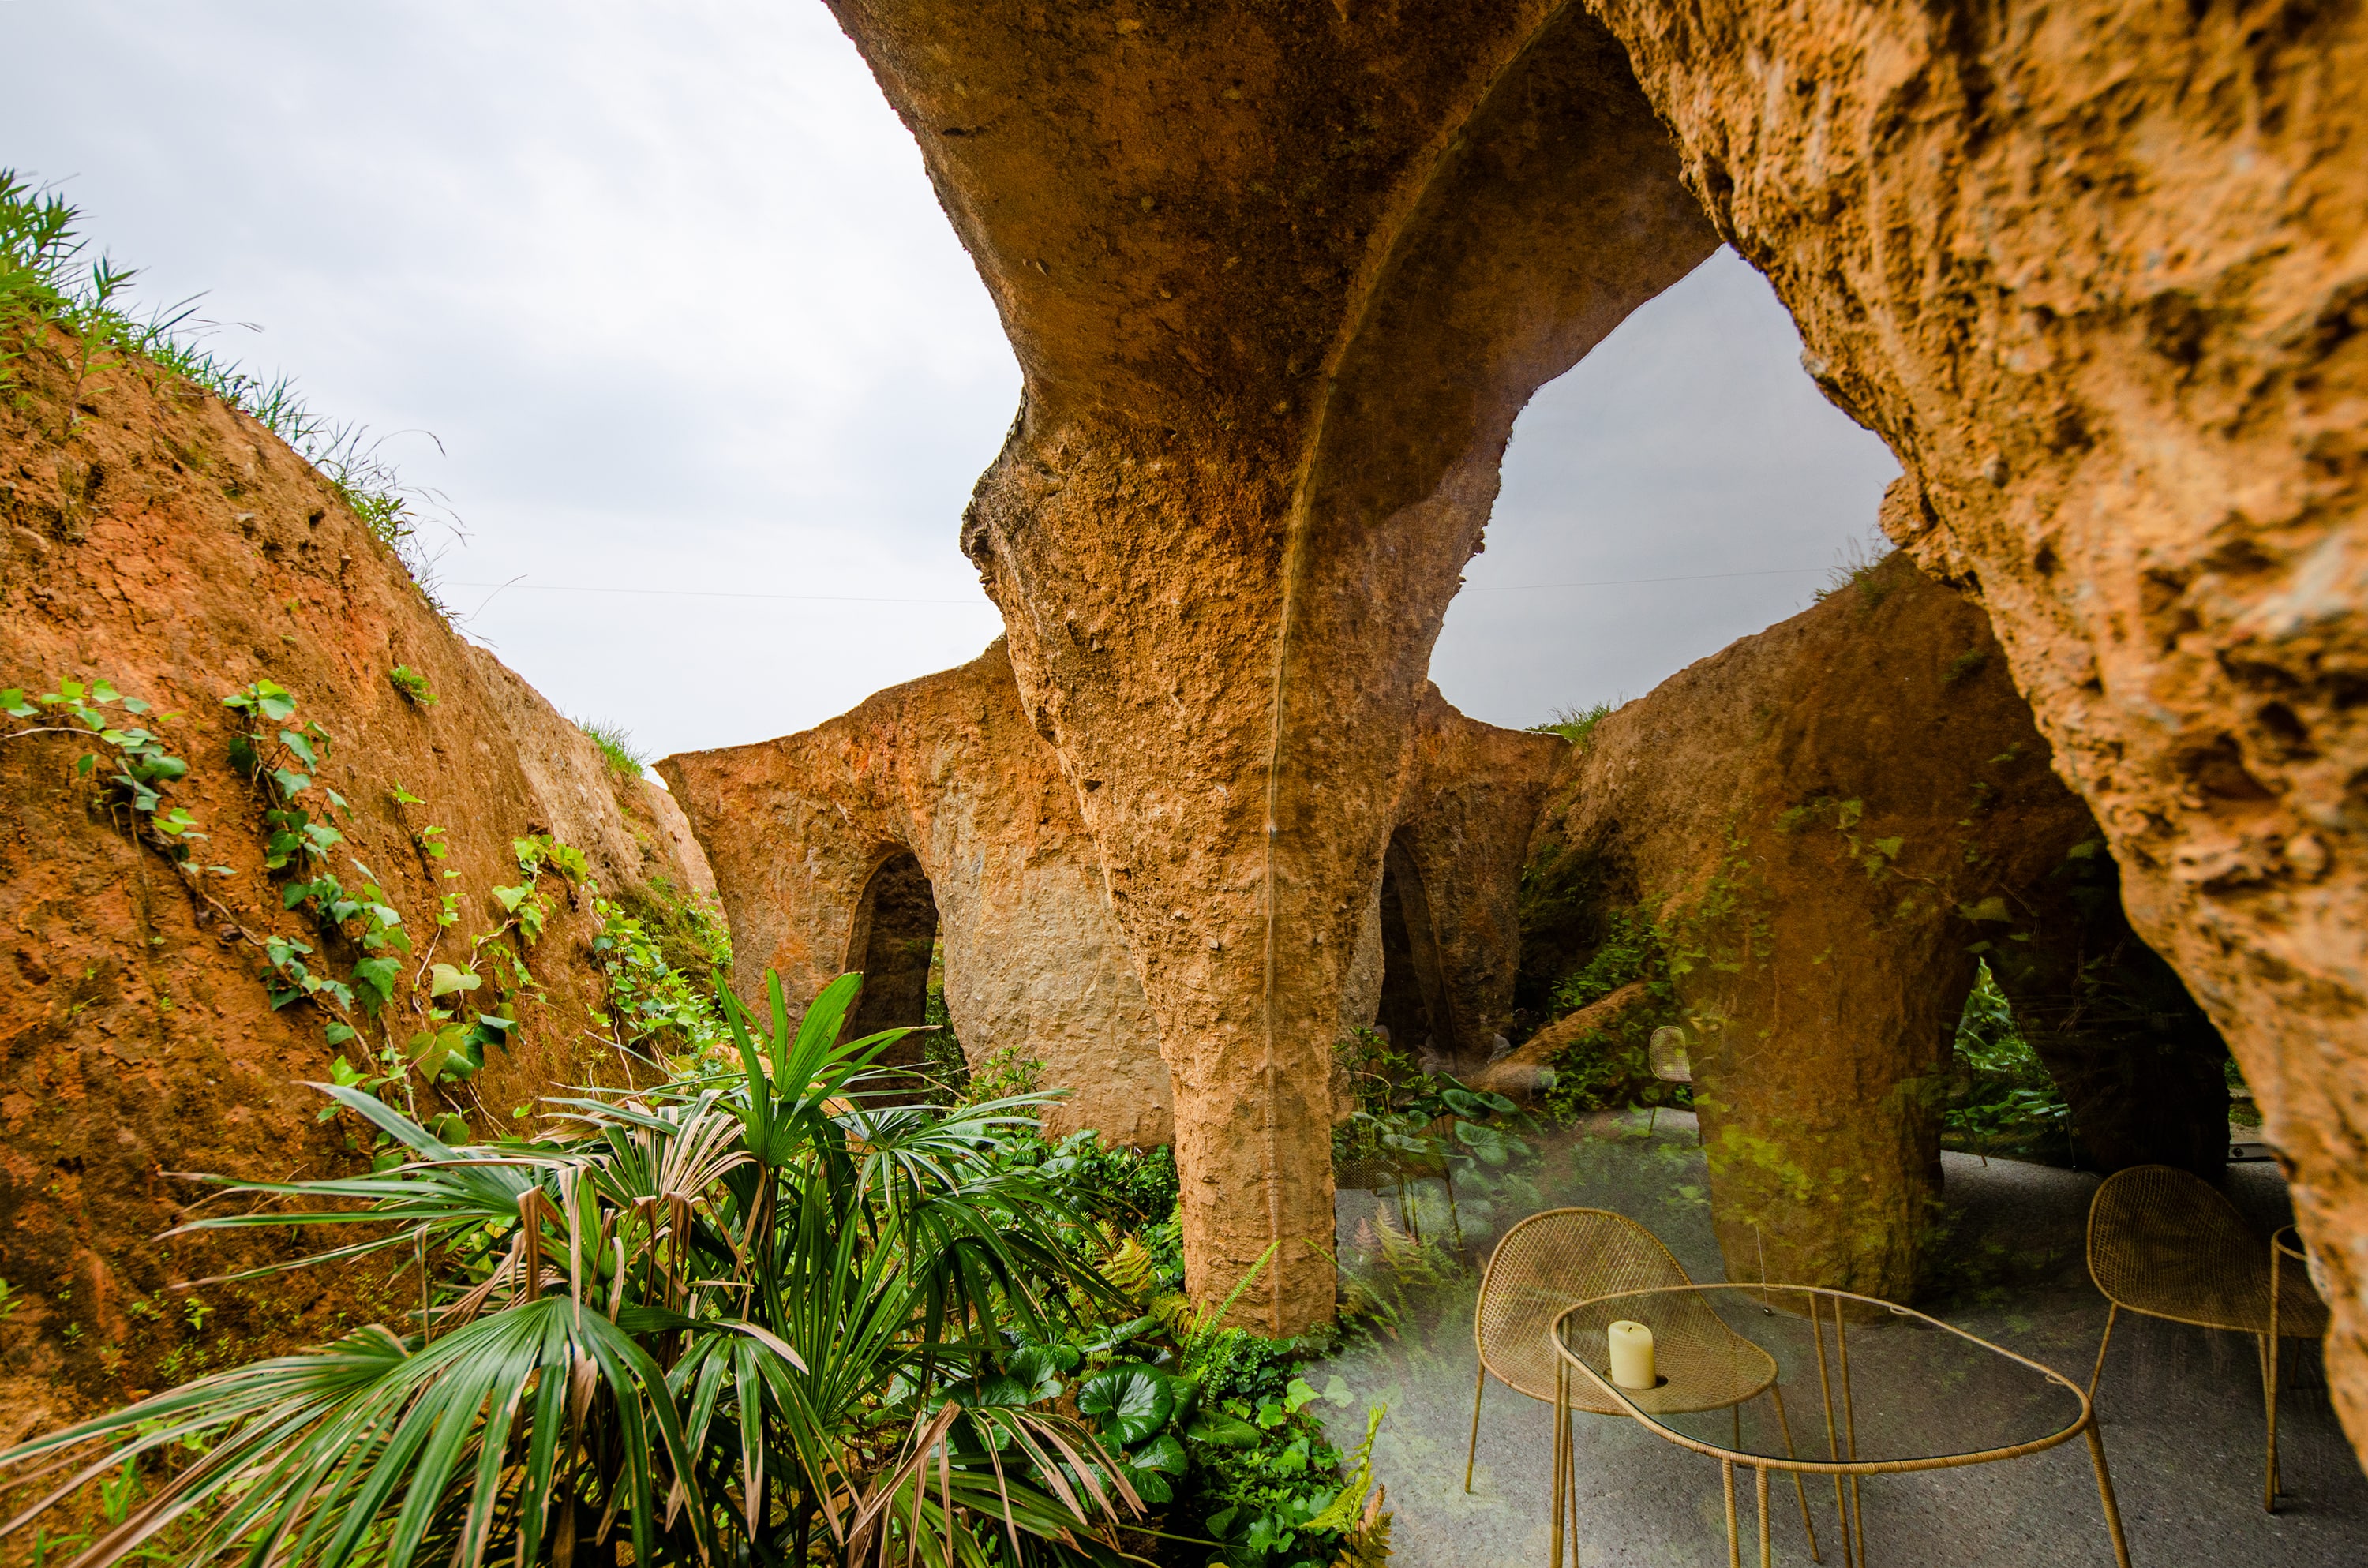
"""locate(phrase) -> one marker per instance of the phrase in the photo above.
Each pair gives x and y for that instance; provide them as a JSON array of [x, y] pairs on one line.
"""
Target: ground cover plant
[[753, 1312]]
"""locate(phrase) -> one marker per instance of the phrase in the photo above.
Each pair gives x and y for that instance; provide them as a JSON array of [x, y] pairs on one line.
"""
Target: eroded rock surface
[[1272, 361], [181, 552], [2095, 272], [943, 775], [2099, 275], [1829, 822]]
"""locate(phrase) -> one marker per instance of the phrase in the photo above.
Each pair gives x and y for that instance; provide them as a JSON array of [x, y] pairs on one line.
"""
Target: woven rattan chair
[[1554, 1260], [2167, 1244]]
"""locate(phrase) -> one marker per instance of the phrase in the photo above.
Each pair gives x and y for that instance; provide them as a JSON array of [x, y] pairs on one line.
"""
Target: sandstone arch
[[936, 800], [2094, 273]]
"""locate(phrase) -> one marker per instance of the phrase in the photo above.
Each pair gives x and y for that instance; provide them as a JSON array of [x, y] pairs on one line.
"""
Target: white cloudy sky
[[669, 288]]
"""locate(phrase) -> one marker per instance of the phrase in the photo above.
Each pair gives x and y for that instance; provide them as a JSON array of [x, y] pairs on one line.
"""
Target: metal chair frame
[[1595, 1240], [2166, 1243]]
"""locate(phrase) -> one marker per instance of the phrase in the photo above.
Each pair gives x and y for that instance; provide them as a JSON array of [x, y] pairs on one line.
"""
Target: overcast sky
[[669, 287]]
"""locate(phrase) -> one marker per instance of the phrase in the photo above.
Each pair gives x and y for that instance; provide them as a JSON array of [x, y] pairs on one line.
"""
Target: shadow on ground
[[2181, 1407]]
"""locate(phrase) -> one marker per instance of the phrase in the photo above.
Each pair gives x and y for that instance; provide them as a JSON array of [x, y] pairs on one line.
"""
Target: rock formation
[[1828, 823], [2095, 273], [180, 552], [937, 801], [933, 810]]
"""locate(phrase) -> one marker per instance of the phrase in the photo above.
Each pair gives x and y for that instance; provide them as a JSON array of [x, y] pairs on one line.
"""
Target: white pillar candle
[[1631, 1355]]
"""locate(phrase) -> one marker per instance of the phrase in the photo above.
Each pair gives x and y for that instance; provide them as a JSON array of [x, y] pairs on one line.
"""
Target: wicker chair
[[1554, 1260], [2167, 1244]]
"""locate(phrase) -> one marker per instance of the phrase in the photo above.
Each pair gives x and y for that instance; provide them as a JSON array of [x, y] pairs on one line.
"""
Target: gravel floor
[[2181, 1407]]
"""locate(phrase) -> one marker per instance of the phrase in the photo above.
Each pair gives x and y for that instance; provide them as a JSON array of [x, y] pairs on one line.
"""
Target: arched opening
[[893, 937], [1413, 1010]]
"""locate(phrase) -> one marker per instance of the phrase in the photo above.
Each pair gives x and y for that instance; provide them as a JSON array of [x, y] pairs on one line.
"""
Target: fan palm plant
[[718, 1320]]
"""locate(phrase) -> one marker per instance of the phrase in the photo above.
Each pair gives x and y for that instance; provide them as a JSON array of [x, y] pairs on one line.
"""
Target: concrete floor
[[2181, 1407]]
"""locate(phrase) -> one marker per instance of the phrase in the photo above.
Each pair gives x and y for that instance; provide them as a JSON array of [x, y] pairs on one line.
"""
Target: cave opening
[[892, 942], [1413, 1012]]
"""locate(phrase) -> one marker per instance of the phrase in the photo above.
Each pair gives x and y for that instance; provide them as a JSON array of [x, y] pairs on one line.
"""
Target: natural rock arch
[[2093, 273]]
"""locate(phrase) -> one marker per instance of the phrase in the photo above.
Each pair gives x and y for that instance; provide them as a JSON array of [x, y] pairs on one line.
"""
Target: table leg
[[1767, 1547], [1798, 1489], [1734, 1539], [1849, 1424], [1833, 1441], [2105, 1494]]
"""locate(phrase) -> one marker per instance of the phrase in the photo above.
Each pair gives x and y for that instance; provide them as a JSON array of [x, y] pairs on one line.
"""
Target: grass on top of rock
[[56, 302], [766, 1310], [1574, 725], [616, 747]]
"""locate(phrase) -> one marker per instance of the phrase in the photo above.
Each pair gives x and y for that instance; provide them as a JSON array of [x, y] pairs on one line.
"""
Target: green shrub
[[412, 684], [1574, 725]]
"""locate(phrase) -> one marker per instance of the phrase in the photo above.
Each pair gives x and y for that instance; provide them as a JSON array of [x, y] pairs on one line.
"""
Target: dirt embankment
[[177, 549]]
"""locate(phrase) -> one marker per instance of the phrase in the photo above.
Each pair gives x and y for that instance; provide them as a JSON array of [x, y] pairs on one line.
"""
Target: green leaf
[[302, 747], [1134, 1400], [291, 784], [509, 898], [12, 703], [445, 979]]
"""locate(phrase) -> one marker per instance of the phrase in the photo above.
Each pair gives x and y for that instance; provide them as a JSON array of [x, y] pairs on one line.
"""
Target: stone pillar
[[2098, 272], [1279, 285]]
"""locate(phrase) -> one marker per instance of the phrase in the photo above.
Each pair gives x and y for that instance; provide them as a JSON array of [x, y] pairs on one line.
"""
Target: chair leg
[[1784, 1420], [2111, 1312], [1472, 1455], [2269, 1390]]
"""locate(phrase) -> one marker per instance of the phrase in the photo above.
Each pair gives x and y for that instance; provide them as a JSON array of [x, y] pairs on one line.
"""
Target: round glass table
[[1875, 1389]]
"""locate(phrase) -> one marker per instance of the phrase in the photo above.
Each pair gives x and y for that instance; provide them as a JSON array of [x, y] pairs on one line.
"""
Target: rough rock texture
[[180, 552], [945, 775], [1829, 821], [1279, 279], [1524, 1072], [2098, 274], [2095, 271], [933, 809], [1470, 802]]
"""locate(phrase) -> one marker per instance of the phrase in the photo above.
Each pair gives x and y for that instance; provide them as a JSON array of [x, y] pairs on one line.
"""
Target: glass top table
[[1875, 1387]]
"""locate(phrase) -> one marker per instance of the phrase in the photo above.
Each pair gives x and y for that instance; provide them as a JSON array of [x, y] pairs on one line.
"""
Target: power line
[[886, 599], [718, 594], [1625, 582]]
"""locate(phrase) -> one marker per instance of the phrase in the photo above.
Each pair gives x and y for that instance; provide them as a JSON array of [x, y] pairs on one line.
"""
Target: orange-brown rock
[[935, 811], [180, 552], [1278, 278], [1279, 282], [2099, 275], [1827, 823], [1450, 894], [933, 808]]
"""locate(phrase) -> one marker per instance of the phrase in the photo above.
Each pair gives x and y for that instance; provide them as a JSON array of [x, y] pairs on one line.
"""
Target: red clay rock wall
[[1830, 821], [1279, 279], [947, 768], [1472, 798], [180, 552], [2099, 275]]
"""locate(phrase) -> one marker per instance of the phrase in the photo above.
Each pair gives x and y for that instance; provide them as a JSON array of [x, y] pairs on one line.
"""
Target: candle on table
[[1631, 1355]]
